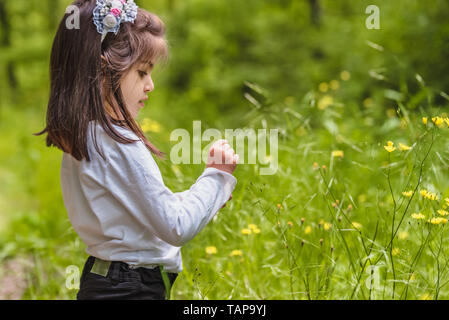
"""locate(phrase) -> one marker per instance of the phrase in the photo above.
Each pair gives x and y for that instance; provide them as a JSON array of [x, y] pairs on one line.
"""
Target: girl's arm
[[134, 178], [222, 157]]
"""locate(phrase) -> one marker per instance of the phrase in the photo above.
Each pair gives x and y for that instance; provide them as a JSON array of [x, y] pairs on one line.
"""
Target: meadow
[[359, 204]]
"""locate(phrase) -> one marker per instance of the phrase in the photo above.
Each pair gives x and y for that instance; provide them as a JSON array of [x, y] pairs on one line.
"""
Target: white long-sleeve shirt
[[121, 209]]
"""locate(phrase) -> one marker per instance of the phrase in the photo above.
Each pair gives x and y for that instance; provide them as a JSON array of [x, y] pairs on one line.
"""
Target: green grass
[[294, 256]]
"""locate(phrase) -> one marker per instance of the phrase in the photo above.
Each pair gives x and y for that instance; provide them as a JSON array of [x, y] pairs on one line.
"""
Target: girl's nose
[[149, 86]]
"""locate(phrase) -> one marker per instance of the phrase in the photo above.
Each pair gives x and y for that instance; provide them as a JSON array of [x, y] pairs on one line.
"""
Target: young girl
[[132, 224]]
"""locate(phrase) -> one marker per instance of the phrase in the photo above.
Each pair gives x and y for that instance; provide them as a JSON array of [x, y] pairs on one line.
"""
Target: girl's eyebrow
[[149, 65]]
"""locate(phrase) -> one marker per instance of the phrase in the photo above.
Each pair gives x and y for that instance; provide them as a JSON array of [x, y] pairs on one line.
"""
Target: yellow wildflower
[[407, 193], [426, 296], [356, 225], [211, 250], [325, 102], [432, 196], [337, 153], [395, 251], [389, 147], [424, 120], [403, 147], [334, 84], [345, 75], [403, 235], [438, 121], [279, 206], [327, 226], [252, 226], [429, 195], [236, 253], [437, 220], [308, 230], [290, 224], [316, 166], [323, 87], [150, 125], [446, 120], [246, 231], [418, 216], [362, 198], [443, 212], [368, 102]]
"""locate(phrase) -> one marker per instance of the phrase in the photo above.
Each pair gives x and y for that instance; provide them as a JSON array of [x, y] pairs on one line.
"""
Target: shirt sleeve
[[133, 177]]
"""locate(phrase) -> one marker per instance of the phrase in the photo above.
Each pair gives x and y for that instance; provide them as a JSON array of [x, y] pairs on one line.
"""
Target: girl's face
[[135, 85]]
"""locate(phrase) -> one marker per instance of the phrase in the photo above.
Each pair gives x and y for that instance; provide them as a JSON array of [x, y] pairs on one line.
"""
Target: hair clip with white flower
[[108, 14]]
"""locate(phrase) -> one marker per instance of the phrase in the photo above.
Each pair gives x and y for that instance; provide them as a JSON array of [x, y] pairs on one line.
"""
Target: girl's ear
[[104, 62]]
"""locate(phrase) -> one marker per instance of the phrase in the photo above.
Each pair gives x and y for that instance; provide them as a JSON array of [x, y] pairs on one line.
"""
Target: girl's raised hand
[[222, 156]]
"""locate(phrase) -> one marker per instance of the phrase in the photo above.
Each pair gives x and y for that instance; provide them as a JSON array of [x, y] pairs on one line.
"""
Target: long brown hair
[[84, 70]]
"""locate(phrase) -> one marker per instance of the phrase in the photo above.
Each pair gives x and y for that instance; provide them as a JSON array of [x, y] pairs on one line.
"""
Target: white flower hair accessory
[[108, 14]]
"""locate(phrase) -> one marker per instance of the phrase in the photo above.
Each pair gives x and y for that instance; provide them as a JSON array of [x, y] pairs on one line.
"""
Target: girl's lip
[[142, 101]]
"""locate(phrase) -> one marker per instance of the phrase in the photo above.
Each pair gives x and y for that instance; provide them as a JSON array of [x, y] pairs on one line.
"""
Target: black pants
[[123, 283]]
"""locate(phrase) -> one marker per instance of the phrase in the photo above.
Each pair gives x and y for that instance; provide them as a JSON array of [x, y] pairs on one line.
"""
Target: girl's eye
[[142, 73]]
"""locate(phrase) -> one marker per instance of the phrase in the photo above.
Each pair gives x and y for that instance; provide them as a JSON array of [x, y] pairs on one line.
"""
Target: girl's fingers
[[231, 158], [221, 153], [220, 142]]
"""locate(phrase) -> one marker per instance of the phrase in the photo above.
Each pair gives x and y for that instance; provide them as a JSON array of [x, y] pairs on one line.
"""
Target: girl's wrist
[[221, 167]]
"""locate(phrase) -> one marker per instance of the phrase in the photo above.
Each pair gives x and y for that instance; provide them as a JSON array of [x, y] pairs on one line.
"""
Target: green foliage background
[[278, 52]]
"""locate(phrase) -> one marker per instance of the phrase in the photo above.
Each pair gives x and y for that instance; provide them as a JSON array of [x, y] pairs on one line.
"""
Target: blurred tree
[[315, 12], [6, 42], [171, 5]]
